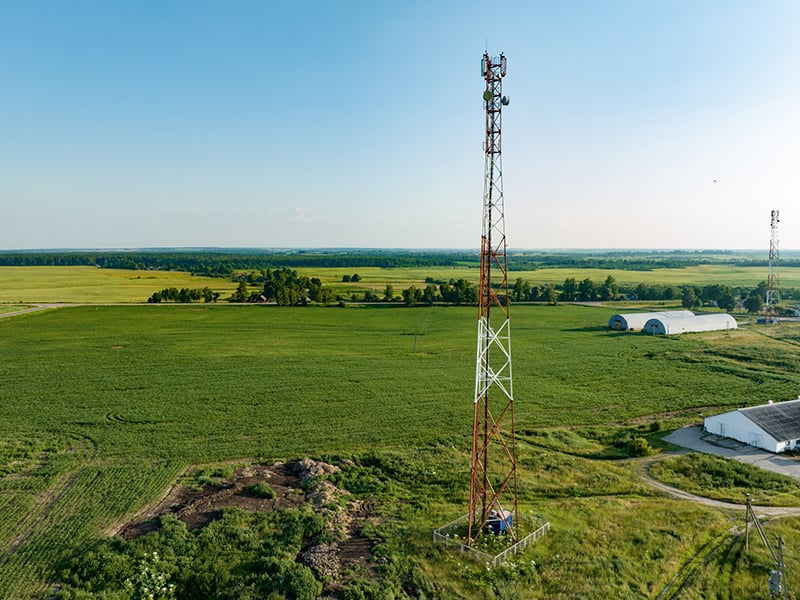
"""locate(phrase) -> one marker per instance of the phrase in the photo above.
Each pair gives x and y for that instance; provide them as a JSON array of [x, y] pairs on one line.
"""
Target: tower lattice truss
[[773, 297], [493, 488]]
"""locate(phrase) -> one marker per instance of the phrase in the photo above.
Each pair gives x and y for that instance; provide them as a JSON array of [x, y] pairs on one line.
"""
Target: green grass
[[12, 308], [93, 285], [375, 279], [727, 480], [699, 275], [102, 407]]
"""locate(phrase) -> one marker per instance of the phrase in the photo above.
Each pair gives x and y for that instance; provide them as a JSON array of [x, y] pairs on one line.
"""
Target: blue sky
[[360, 124]]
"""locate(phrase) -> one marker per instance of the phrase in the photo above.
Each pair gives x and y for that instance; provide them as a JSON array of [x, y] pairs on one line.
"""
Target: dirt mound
[[294, 483]]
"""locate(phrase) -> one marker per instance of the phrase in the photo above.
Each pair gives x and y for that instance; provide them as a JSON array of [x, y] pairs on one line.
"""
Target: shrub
[[640, 447], [262, 490], [300, 583]]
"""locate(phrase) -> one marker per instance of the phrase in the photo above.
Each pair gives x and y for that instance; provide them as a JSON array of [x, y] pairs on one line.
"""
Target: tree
[[411, 295], [240, 295], [689, 299], [459, 292], [388, 293], [726, 302], [429, 294], [712, 294], [326, 295], [586, 290], [287, 296], [570, 290], [355, 278], [670, 293], [210, 295], [609, 288], [287, 288], [761, 289], [315, 289], [754, 303], [520, 290], [550, 294]]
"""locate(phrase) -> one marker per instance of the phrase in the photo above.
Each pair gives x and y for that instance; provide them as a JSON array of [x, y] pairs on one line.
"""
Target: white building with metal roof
[[693, 324], [635, 321], [774, 427]]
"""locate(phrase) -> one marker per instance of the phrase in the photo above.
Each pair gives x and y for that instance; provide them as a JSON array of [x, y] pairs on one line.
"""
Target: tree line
[[184, 295], [224, 263], [285, 287], [691, 296]]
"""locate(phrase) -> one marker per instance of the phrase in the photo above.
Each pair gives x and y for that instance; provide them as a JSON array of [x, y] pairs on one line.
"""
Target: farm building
[[695, 323], [636, 321], [774, 427]]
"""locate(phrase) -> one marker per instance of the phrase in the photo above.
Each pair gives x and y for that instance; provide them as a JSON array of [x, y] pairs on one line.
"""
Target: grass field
[[7, 308], [102, 407], [375, 279], [93, 285]]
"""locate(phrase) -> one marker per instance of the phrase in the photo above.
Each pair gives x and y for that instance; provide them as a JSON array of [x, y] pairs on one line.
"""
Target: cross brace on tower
[[493, 485]]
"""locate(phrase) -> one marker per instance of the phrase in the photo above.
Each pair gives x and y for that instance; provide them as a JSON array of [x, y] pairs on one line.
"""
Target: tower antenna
[[493, 491], [773, 296]]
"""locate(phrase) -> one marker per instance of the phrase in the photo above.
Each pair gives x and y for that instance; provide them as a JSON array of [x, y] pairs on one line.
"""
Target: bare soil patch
[[295, 483], [199, 507]]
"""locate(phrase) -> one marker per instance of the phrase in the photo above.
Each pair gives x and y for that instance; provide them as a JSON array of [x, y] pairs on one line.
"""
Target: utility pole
[[777, 577]]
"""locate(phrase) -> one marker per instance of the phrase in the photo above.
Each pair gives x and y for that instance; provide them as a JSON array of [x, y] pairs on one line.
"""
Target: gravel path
[[642, 470], [36, 308]]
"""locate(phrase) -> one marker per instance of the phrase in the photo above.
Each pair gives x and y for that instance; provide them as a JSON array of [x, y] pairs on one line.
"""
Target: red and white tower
[[773, 297], [493, 486]]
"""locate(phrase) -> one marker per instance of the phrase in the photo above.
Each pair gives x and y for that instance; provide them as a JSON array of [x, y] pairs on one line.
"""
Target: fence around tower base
[[442, 536]]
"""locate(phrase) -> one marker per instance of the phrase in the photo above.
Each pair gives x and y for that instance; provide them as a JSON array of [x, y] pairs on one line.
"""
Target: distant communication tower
[[773, 297], [493, 486]]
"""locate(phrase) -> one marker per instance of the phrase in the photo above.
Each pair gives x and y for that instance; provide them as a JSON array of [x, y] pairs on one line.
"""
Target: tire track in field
[[40, 510], [45, 503], [688, 569]]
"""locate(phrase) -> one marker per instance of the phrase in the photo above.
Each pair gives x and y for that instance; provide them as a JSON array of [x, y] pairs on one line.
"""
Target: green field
[[696, 275], [373, 278], [699, 275], [93, 285], [102, 407], [7, 308]]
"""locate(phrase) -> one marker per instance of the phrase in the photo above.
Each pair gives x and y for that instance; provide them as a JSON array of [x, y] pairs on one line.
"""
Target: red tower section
[[493, 486]]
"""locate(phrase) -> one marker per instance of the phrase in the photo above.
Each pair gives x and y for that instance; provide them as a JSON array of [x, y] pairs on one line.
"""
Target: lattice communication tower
[[493, 486], [773, 297]]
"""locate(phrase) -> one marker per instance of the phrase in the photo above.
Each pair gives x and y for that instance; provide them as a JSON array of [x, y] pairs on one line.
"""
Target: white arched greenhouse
[[695, 323], [636, 321]]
